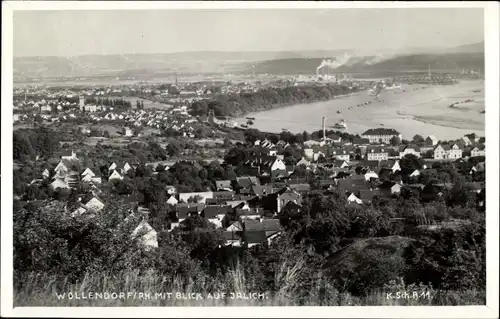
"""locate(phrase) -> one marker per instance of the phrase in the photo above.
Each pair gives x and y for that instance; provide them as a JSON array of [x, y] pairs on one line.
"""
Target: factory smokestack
[[323, 127]]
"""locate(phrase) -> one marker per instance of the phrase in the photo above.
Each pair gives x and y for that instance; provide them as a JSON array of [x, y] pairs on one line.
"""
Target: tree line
[[267, 98]]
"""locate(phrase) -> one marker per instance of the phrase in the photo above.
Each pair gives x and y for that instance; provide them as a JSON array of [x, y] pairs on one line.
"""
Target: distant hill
[[406, 63], [284, 62], [469, 48]]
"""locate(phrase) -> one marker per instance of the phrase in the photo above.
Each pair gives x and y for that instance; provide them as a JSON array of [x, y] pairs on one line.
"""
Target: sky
[[72, 33]]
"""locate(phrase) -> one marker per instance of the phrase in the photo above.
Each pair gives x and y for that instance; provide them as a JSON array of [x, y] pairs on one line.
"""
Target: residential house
[[216, 213], [352, 185], [59, 183], [340, 154], [409, 149], [389, 188], [300, 188], [311, 143], [478, 151], [431, 140], [170, 189], [455, 152], [354, 199], [124, 167], [146, 236], [172, 200], [91, 108], [441, 152], [233, 238], [341, 164], [377, 154], [369, 175], [262, 190], [235, 227], [224, 185], [303, 161], [287, 195], [70, 156], [126, 131], [93, 205], [248, 213], [473, 137], [45, 108], [277, 164], [308, 153], [115, 175], [360, 141], [414, 174], [465, 140], [45, 173], [367, 196], [381, 135], [92, 178]]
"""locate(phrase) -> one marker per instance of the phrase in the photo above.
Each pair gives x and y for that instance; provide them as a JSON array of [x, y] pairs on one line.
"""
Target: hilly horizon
[[278, 62]]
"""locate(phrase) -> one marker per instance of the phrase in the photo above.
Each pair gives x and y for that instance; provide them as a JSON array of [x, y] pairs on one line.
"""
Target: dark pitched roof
[[351, 185], [231, 235], [271, 225], [361, 141], [370, 164], [255, 237], [384, 173], [380, 131], [246, 182], [253, 225], [367, 195], [261, 190], [377, 150], [386, 185], [184, 210], [213, 210]]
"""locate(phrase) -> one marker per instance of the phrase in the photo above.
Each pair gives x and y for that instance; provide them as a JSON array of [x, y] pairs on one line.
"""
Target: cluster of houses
[[245, 209], [375, 145]]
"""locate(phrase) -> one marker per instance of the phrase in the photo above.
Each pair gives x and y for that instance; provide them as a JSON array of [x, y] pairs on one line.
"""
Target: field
[[414, 109]]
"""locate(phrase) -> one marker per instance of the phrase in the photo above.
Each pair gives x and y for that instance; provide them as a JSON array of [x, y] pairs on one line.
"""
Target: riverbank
[[411, 110]]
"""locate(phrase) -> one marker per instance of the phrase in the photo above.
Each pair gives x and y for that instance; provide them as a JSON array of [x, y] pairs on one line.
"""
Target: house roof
[[370, 164], [214, 210], [351, 185], [377, 150], [432, 138], [67, 153], [361, 141], [271, 224], [300, 187], [387, 185], [231, 235], [249, 212], [380, 131], [255, 237], [223, 184], [261, 190], [339, 163], [367, 195], [385, 173], [253, 225]]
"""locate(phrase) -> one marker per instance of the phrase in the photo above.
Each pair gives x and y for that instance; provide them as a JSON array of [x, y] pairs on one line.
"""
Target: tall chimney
[[323, 126]]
